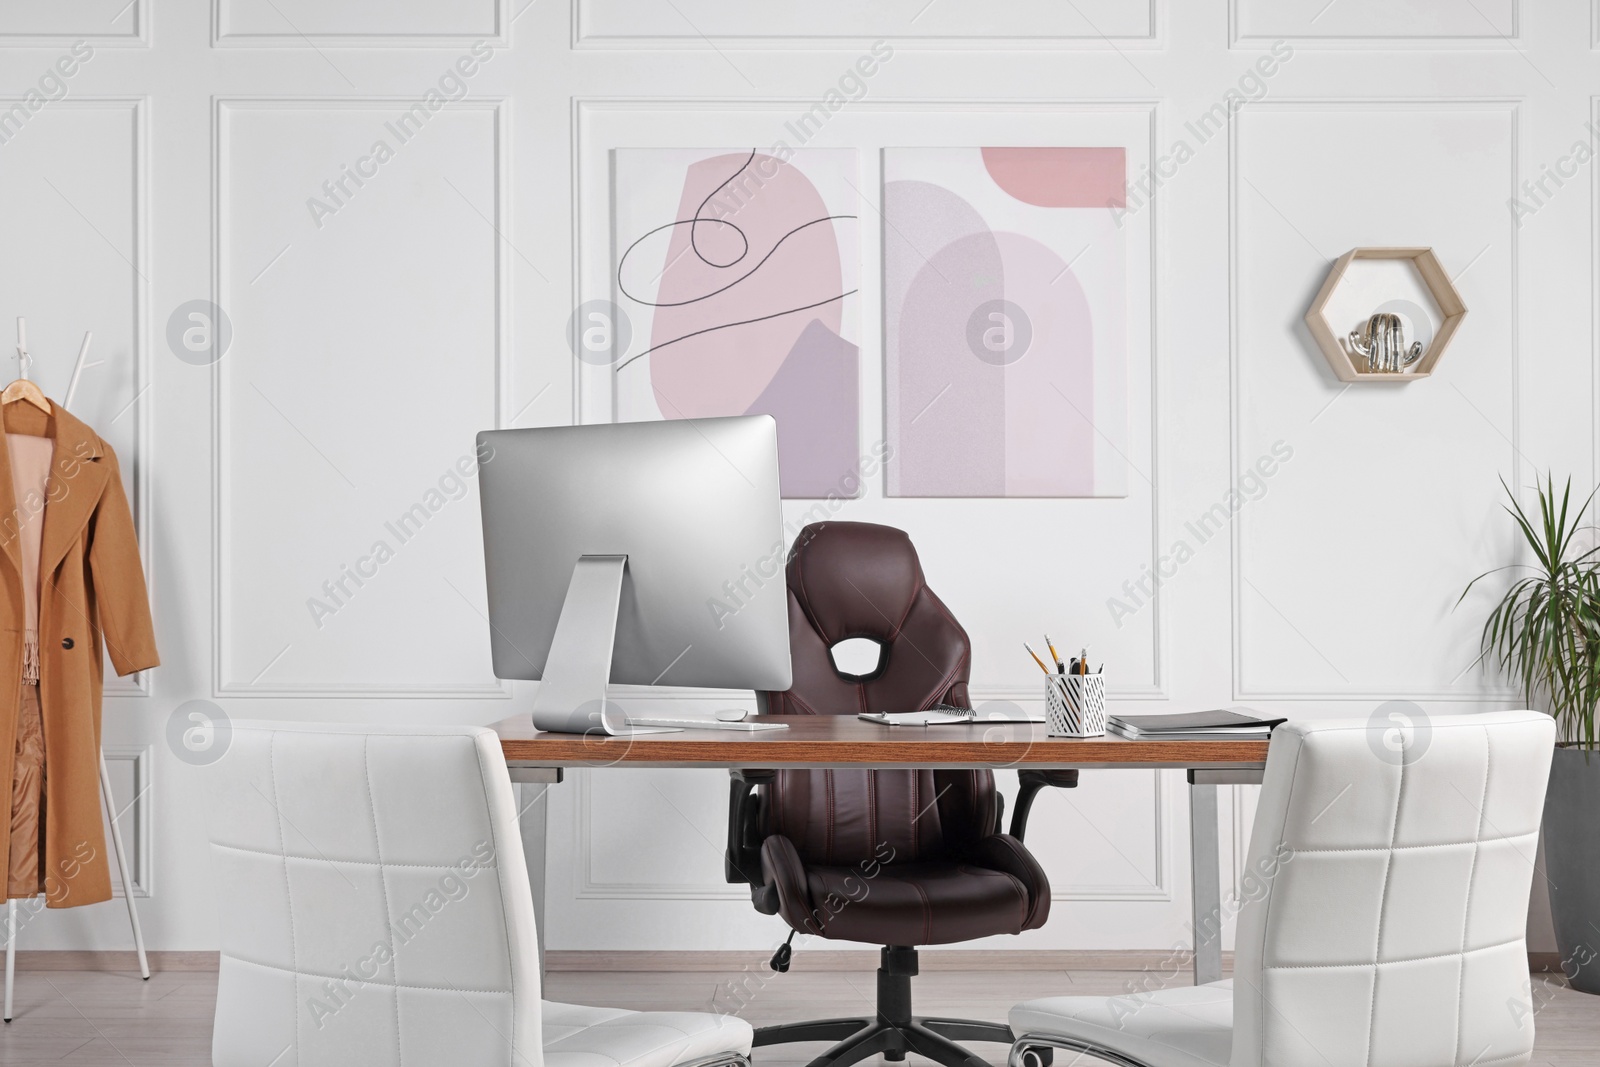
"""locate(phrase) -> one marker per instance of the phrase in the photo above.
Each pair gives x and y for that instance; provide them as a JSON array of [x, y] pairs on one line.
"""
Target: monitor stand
[[572, 693]]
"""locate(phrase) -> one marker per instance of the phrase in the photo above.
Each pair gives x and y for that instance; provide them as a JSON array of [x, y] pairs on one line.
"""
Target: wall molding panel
[[409, 24], [587, 885], [590, 885], [1246, 592], [104, 218], [1594, 267], [709, 25], [599, 124], [135, 814], [1377, 24], [228, 381], [101, 23]]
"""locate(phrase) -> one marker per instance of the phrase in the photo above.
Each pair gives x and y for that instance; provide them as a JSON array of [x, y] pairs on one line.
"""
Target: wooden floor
[[95, 1018]]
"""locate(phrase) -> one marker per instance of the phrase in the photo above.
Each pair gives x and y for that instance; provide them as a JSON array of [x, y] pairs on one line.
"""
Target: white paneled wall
[[1377, 23], [397, 205], [370, 299], [840, 23], [1410, 514]]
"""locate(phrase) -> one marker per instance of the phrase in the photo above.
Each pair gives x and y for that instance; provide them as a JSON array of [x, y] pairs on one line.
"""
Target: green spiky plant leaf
[[1545, 631]]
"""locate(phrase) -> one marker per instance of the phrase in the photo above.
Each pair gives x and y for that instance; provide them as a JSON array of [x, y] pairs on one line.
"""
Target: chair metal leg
[[870, 1042], [894, 1031], [968, 1030], [940, 1049], [812, 1030], [122, 868]]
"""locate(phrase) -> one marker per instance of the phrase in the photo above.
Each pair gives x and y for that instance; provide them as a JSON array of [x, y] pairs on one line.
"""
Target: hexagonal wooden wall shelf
[[1408, 282]]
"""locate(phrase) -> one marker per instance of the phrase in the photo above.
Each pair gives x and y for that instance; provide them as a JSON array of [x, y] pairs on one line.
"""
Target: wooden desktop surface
[[844, 741]]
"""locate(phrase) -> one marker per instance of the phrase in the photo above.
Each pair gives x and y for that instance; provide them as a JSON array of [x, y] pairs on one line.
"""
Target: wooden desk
[[536, 761]]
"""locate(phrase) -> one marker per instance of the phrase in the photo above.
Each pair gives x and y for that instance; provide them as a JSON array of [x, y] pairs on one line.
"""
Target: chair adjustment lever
[[780, 958]]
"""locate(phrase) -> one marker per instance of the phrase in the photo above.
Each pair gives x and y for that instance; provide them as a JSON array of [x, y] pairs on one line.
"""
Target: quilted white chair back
[[374, 903], [1387, 894]]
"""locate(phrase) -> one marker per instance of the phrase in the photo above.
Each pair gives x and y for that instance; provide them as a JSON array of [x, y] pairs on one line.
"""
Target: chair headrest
[[854, 579]]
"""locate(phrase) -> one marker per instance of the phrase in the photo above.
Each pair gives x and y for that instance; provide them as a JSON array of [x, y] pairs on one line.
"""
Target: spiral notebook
[[936, 716]]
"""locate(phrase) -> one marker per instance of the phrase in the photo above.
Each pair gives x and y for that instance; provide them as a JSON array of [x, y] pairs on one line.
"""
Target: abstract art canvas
[[1005, 321], [738, 272]]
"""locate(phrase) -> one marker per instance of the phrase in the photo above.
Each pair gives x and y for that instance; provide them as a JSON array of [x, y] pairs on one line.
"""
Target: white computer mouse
[[731, 715]]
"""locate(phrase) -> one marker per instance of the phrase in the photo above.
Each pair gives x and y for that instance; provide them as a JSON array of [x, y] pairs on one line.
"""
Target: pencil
[[1036, 659], [1060, 668]]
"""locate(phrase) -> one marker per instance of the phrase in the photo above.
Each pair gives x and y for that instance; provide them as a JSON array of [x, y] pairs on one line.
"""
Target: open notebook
[[935, 716], [944, 714]]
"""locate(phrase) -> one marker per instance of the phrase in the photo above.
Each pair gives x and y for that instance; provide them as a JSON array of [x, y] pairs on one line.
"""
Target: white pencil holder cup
[[1075, 705]]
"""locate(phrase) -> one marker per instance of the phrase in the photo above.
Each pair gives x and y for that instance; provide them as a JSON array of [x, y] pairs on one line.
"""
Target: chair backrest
[[858, 579], [374, 903], [1386, 893]]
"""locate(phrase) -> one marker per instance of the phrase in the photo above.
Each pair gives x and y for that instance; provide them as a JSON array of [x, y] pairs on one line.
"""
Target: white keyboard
[[704, 724]]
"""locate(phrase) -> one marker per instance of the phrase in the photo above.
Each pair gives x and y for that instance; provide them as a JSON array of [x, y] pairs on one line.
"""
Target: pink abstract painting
[[738, 272], [1005, 321]]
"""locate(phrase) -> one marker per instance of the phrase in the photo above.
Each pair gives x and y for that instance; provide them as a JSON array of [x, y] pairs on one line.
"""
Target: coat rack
[[24, 361]]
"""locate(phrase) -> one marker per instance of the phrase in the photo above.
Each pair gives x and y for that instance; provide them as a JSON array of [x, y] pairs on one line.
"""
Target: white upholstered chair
[[1383, 918], [375, 910]]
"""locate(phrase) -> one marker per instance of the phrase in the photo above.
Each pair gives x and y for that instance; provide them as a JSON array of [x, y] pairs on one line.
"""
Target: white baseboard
[[809, 960], [867, 960]]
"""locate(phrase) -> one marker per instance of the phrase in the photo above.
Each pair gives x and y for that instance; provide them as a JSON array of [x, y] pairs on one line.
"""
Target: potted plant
[[1545, 633]]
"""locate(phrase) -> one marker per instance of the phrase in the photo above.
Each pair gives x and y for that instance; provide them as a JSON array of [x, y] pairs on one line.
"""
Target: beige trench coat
[[92, 601]]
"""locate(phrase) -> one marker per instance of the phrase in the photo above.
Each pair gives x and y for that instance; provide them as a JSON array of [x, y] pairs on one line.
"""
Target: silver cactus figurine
[[1381, 341]]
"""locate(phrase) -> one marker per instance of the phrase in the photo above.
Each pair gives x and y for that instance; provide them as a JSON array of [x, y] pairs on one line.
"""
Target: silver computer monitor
[[641, 552]]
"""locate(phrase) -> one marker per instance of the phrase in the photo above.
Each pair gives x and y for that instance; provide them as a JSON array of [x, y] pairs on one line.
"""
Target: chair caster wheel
[[1037, 1057]]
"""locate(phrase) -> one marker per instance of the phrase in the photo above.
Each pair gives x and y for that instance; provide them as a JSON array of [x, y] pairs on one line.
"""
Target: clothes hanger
[[25, 390], [22, 389]]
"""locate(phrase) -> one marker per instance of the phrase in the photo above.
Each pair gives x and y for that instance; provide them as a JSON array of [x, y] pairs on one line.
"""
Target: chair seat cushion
[[916, 903], [1190, 1026], [579, 1036]]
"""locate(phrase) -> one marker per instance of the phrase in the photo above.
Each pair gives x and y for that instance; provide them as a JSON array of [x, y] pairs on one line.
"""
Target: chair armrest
[[786, 881], [742, 860], [1002, 852], [1061, 779], [1030, 782]]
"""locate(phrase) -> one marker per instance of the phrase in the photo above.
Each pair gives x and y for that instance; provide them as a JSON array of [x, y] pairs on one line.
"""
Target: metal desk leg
[[1206, 863], [1206, 875], [533, 802]]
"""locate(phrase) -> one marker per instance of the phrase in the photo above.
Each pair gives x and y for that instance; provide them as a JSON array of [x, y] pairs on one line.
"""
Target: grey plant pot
[[1572, 862]]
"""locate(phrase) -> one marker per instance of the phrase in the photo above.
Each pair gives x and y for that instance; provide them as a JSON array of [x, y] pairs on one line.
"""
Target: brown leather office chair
[[898, 858]]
